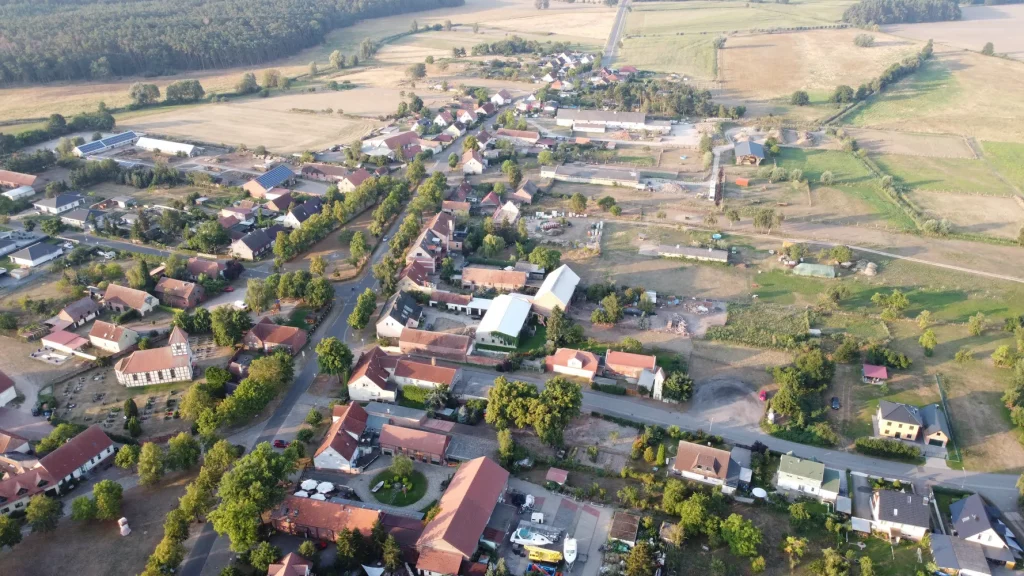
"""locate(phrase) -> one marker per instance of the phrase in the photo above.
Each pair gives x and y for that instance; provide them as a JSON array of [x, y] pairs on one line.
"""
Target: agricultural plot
[[989, 215], [370, 102], [1008, 159], [911, 144], [700, 17], [978, 25], [953, 93], [945, 174], [764, 67], [683, 55]]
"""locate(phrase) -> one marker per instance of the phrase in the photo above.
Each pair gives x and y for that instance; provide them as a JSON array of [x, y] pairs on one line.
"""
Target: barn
[[749, 153], [168, 147]]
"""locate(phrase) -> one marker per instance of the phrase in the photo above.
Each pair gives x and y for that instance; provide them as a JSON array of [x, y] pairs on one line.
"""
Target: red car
[[763, 395], [229, 289], [280, 444]]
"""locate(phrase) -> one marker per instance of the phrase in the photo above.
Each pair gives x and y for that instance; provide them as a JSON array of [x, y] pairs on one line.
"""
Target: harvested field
[[360, 101], [251, 123], [910, 144], [772, 66], [684, 55], [953, 93], [978, 25], [991, 215], [670, 18], [945, 174]]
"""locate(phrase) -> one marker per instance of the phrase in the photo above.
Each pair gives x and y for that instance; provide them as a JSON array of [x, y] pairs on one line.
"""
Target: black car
[[835, 402]]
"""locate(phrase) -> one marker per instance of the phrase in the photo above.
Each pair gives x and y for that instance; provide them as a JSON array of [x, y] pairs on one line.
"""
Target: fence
[[949, 421]]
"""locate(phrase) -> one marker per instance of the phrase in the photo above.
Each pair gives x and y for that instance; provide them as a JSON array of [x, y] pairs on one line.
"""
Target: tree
[[392, 554], [976, 324], [766, 219], [453, 161], [365, 305], [138, 276], [183, 91], [640, 561], [10, 531], [358, 248], [928, 341], [867, 568], [183, 452], [800, 98], [127, 457], [318, 265], [43, 513], [924, 319], [606, 203], [989, 49], [263, 555], [795, 548], [843, 94], [401, 466], [546, 258], [257, 296], [83, 509], [827, 178], [506, 447], [108, 499], [176, 526], [313, 70], [578, 203], [319, 292], [892, 304], [133, 425], [509, 403], [964, 355], [151, 464], [416, 71], [556, 406], [247, 84], [864, 40], [546, 158], [229, 324], [143, 94], [678, 386], [493, 245], [741, 535], [166, 557], [314, 417], [1004, 357]]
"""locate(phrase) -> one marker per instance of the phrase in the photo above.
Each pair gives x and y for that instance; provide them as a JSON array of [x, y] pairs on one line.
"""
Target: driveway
[[435, 475], [861, 495]]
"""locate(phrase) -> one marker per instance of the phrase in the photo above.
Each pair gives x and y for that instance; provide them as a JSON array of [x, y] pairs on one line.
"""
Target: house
[[556, 290], [473, 162], [291, 565], [121, 298], [957, 556], [19, 193], [267, 336], [518, 138], [321, 519], [196, 267], [525, 193], [973, 521], [371, 377], [501, 98], [415, 278], [36, 254], [701, 463], [434, 243], [900, 515], [277, 176], [178, 293], [172, 363], [562, 86], [168, 147], [351, 181], [443, 119], [486, 109], [449, 300], [419, 445], [483, 140], [62, 341], [871, 374], [465, 510], [341, 448], [906, 422], [323, 172], [299, 214], [9, 179], [808, 477], [508, 212], [11, 442], [570, 362], [84, 218], [59, 204], [466, 117], [7, 391], [281, 204], [441, 344], [455, 131], [78, 313], [477, 278], [399, 312], [252, 246], [489, 202], [503, 322], [628, 365], [749, 153], [70, 461], [111, 337], [410, 372], [456, 209]]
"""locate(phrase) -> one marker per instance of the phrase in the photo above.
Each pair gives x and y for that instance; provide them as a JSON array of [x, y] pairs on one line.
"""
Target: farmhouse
[[281, 204], [419, 445], [473, 162], [489, 202], [320, 519], [518, 138], [525, 193], [370, 379], [508, 212], [277, 176], [592, 174], [442, 344], [106, 144], [168, 147], [120, 298], [434, 243], [903, 421], [898, 514], [578, 363], [252, 246], [808, 477], [341, 448], [36, 254], [76, 313], [111, 337], [172, 363], [974, 521], [409, 372], [66, 342], [503, 322], [178, 293], [556, 290], [399, 312], [19, 193], [213, 269], [600, 121], [16, 180], [749, 153], [299, 214], [456, 208], [267, 336], [59, 204], [351, 181], [701, 463], [477, 278]]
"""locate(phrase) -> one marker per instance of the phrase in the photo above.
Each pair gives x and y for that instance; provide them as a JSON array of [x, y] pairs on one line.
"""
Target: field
[[774, 66], [1008, 159], [953, 93], [684, 55], [990, 215], [979, 24], [945, 174], [911, 144], [701, 17]]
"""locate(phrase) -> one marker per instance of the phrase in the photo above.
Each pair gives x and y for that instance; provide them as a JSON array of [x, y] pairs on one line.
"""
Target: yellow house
[[906, 422]]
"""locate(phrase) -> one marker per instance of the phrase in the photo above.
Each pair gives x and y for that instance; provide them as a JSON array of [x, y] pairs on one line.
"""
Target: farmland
[[990, 215], [945, 174], [912, 144], [684, 55], [979, 24], [1008, 159], [701, 17]]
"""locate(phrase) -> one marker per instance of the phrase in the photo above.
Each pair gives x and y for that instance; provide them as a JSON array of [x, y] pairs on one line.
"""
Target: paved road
[[611, 48]]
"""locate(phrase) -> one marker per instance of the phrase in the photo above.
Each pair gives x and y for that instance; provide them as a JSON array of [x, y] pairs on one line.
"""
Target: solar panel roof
[[275, 176], [118, 138], [91, 147]]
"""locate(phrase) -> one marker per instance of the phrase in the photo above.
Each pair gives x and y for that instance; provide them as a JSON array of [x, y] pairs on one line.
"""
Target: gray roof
[[36, 251], [808, 469], [903, 508], [832, 480], [897, 412], [934, 420], [82, 214], [749, 148], [401, 306], [601, 116], [303, 211], [59, 200], [394, 410], [954, 554], [970, 516]]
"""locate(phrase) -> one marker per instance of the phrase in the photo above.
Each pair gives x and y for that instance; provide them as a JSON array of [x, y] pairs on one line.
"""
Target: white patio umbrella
[[302, 494], [308, 484], [318, 497], [325, 487]]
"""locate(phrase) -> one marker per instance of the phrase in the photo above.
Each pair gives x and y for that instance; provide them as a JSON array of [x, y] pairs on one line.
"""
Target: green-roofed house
[[808, 477]]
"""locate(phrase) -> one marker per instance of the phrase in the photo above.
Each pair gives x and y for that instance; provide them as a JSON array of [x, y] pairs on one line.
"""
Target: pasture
[[702, 17], [944, 174], [1000, 25], [1008, 159], [990, 215], [684, 55], [910, 144]]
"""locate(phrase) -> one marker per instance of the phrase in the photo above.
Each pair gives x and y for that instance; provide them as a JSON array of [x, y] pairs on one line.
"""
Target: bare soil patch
[[978, 25], [910, 144], [991, 215]]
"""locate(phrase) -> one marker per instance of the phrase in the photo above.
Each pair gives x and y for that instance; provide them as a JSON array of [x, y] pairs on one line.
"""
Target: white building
[[7, 391], [59, 204], [20, 192], [168, 147], [399, 312], [106, 144], [172, 363], [808, 477], [504, 321], [36, 254], [501, 98], [557, 290], [473, 162], [701, 463], [111, 337], [899, 514], [371, 378], [341, 448]]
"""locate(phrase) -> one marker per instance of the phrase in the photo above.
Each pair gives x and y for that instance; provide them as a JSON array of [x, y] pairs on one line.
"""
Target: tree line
[[92, 39], [56, 126], [896, 11]]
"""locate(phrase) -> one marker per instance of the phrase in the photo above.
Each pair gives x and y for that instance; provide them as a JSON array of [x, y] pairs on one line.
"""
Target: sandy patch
[[991, 215], [910, 144]]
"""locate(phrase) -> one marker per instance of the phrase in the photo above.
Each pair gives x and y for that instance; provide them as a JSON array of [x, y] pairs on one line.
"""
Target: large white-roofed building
[[557, 290], [504, 321], [168, 147]]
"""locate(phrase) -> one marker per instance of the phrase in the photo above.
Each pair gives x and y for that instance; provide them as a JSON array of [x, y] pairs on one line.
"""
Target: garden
[[400, 484]]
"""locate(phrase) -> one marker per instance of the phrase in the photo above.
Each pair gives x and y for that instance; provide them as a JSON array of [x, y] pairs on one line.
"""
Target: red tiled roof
[[456, 206], [18, 178], [616, 358], [290, 565], [466, 506], [472, 155], [416, 272], [10, 441], [228, 221], [358, 177], [450, 298], [155, 359], [67, 339], [128, 296], [350, 422], [491, 199], [492, 277], [703, 460], [179, 288], [74, 453], [406, 368], [455, 342], [211, 268], [371, 365], [557, 475], [107, 331], [439, 561], [325, 169], [277, 335], [5, 382], [414, 440], [562, 356], [323, 514], [281, 203], [871, 371]]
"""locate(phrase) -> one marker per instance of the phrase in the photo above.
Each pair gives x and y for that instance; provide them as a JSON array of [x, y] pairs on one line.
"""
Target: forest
[[55, 40], [899, 11]]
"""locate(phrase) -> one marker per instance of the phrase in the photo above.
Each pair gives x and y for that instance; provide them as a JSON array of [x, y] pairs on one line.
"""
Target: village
[[491, 301]]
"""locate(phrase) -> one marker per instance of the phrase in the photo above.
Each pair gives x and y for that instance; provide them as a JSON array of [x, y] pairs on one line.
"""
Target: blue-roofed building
[[749, 153], [116, 141], [276, 176]]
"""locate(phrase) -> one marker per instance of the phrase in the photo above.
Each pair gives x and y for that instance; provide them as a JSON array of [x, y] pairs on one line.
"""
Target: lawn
[[297, 318], [945, 174], [395, 496], [762, 325], [1008, 159], [538, 340]]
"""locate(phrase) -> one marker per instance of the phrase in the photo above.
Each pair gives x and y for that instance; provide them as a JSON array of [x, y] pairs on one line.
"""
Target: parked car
[[280, 443], [835, 403], [229, 288]]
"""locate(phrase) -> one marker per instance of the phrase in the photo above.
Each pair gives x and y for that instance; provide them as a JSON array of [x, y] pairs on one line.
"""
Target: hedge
[[885, 448], [608, 388]]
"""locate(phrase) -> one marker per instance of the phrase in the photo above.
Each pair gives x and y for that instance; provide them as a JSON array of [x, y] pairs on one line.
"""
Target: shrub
[[885, 448]]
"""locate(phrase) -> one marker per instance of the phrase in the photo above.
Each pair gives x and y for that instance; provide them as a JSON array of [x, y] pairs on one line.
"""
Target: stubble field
[[1001, 25]]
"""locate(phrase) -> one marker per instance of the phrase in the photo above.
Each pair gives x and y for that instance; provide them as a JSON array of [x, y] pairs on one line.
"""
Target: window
[[901, 426]]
